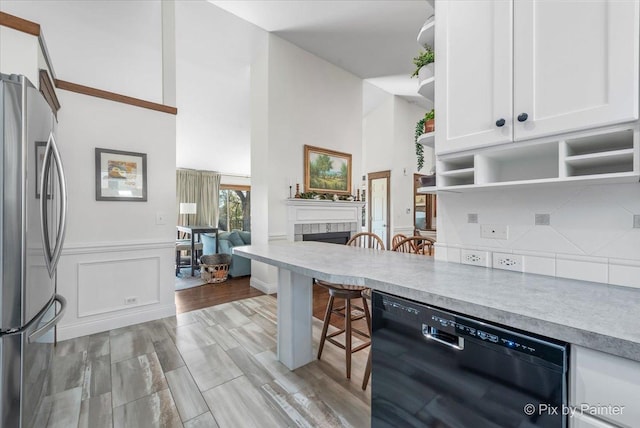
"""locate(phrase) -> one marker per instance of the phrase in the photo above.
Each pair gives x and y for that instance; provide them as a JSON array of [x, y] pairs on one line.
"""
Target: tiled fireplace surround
[[306, 216], [313, 228]]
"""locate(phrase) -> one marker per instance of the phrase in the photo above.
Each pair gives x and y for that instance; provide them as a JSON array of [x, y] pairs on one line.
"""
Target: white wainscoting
[[98, 278]]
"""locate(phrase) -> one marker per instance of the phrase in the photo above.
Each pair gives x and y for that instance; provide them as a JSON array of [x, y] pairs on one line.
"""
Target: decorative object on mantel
[[423, 59], [121, 176], [326, 196], [298, 191], [326, 171]]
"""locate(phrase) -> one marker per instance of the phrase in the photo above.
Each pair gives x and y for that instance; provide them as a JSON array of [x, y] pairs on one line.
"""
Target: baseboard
[[115, 320], [263, 286]]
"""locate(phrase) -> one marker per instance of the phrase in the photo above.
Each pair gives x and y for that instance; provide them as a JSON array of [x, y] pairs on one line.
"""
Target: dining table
[[194, 231]]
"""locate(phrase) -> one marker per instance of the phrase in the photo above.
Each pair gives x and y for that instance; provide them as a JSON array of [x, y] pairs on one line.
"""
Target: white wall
[[590, 236], [308, 101], [110, 45], [388, 144], [113, 250], [214, 54]]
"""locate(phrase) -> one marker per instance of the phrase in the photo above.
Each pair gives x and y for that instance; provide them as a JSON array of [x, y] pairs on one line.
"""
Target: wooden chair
[[366, 240], [346, 311], [415, 245], [397, 238]]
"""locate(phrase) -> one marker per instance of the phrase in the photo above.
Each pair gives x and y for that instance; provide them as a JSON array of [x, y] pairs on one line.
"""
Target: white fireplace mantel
[[311, 211]]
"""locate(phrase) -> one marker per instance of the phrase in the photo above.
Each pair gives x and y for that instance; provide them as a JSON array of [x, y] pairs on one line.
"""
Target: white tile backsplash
[[589, 226], [624, 272], [539, 265], [584, 270]]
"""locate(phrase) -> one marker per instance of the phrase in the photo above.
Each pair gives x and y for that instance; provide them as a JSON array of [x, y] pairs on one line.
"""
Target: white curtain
[[201, 188]]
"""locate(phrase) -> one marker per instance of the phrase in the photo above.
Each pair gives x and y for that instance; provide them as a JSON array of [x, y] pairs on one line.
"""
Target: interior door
[[379, 205]]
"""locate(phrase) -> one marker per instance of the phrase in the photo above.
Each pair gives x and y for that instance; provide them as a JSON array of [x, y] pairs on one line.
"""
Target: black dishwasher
[[434, 368]]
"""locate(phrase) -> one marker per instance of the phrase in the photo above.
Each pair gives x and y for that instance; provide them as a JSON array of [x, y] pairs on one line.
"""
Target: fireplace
[[331, 237], [331, 221]]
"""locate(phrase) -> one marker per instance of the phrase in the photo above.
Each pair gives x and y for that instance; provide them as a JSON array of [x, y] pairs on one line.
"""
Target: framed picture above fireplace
[[327, 171]]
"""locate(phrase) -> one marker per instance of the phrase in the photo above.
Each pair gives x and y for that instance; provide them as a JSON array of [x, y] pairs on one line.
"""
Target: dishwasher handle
[[447, 339]]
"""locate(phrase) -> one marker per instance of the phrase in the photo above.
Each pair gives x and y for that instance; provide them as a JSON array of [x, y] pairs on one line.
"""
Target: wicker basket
[[215, 268]]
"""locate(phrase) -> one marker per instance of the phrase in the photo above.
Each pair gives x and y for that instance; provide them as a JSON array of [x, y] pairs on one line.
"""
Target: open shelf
[[457, 171], [426, 35], [428, 139], [426, 88], [605, 153], [533, 162], [427, 189]]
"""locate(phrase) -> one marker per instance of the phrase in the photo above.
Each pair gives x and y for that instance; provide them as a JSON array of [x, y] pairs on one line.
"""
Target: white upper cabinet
[[575, 65], [544, 67], [473, 66]]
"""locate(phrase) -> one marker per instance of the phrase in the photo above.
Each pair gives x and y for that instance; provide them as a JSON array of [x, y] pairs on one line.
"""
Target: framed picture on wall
[[327, 171], [121, 176]]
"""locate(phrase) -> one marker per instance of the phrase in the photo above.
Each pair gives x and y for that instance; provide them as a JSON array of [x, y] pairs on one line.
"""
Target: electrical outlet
[[472, 218], [508, 262], [476, 258], [494, 231], [131, 300], [543, 219]]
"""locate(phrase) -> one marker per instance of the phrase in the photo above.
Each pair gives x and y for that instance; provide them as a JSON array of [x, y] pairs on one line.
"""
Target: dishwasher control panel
[[452, 324]]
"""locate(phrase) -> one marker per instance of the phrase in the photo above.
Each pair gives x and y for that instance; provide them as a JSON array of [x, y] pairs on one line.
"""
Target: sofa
[[240, 266]]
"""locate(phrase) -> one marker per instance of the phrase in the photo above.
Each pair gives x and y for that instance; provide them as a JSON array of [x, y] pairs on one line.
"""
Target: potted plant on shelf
[[424, 64], [430, 121]]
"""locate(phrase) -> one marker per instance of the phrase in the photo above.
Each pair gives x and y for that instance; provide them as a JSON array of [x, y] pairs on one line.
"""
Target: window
[[235, 207]]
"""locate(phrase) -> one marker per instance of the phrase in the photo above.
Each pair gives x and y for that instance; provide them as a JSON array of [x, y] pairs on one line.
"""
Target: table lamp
[[188, 208]]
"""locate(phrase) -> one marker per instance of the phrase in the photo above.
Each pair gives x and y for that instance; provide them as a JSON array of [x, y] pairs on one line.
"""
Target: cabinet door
[[473, 71], [575, 65]]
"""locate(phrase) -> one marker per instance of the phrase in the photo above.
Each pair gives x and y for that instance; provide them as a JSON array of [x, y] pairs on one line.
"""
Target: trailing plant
[[419, 147], [424, 58]]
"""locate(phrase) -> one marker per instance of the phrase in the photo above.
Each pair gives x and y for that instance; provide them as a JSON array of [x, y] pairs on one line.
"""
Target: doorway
[[379, 207]]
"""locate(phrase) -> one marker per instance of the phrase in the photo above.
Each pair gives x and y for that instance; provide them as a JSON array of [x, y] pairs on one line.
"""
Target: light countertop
[[594, 315]]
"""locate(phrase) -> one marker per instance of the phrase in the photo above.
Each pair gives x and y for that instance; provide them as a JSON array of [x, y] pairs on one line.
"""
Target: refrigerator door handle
[[44, 196], [52, 257], [45, 328], [62, 221]]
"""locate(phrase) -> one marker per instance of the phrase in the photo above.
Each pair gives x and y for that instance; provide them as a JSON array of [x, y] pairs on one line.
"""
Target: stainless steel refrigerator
[[33, 207]]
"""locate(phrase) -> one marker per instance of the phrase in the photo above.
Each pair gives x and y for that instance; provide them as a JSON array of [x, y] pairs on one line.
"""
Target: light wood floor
[[212, 367], [238, 288]]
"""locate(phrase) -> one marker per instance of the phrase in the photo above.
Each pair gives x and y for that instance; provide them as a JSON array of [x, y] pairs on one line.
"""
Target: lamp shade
[[188, 208]]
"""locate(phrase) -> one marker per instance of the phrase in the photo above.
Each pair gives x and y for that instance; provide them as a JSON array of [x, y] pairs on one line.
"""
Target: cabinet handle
[[500, 123], [522, 117]]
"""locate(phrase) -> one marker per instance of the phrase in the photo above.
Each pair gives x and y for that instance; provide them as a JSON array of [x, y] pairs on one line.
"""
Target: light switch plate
[[636, 221], [161, 219], [494, 231], [472, 218], [505, 261]]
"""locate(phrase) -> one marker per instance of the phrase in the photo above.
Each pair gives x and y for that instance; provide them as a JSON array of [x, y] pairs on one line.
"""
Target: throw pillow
[[246, 237], [225, 246], [224, 235], [235, 239]]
